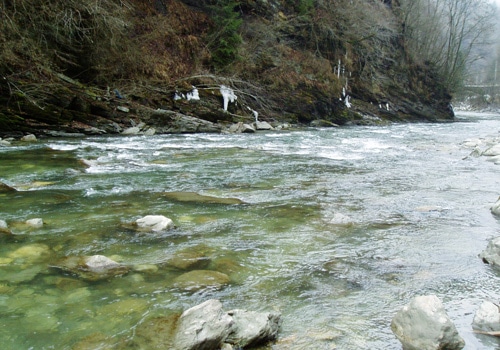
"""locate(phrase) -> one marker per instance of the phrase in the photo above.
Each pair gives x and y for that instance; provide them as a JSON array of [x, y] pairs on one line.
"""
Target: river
[[339, 229]]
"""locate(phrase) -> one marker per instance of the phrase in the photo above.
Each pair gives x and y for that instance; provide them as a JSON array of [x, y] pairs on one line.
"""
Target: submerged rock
[[31, 253], [491, 255], [341, 220], [424, 325], [154, 223], [91, 268], [198, 198], [487, 318], [189, 259], [200, 279]]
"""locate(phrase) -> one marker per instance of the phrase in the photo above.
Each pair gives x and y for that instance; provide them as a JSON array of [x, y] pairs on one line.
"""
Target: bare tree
[[445, 33]]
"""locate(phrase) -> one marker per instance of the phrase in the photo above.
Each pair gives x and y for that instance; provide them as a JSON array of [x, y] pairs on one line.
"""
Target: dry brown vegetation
[[287, 65]]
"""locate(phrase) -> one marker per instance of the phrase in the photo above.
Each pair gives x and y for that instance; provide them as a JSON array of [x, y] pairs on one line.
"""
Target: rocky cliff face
[[295, 62]]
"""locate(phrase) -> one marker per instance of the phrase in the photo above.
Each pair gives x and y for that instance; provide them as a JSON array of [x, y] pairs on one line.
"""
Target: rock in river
[[154, 223], [487, 318], [194, 197], [203, 327], [424, 325], [491, 255], [200, 279], [253, 328], [91, 268]]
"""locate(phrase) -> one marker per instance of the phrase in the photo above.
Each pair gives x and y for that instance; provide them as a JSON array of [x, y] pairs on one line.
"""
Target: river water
[[339, 229]]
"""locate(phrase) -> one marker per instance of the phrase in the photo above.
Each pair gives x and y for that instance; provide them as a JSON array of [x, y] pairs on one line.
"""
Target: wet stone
[[155, 332], [91, 268], [194, 197], [194, 258], [200, 279]]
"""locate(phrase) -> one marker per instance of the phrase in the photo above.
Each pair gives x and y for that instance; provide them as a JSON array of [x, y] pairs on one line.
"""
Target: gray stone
[[491, 255], [253, 328], [424, 325], [241, 127], [91, 268], [203, 327], [131, 131], [263, 126], [495, 209], [487, 318], [35, 223], [154, 223], [29, 138], [149, 131]]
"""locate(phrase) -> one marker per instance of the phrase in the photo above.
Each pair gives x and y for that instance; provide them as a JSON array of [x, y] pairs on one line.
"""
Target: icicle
[[227, 95]]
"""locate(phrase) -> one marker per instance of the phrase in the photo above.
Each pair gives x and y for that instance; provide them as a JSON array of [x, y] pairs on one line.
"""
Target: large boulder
[[253, 328], [487, 318], [424, 325], [203, 327], [491, 255]]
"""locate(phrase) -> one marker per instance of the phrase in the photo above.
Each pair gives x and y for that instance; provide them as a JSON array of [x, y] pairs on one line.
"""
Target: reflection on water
[[334, 228]]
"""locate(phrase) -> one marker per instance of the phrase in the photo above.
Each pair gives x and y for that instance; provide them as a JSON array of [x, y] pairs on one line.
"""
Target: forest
[[67, 65]]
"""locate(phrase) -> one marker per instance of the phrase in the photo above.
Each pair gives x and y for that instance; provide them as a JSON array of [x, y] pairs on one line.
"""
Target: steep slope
[[86, 66]]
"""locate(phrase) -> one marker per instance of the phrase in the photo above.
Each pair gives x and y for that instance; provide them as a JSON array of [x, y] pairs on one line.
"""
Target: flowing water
[[338, 230]]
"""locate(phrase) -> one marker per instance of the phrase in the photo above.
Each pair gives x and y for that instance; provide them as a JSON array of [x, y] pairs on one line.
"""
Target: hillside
[[92, 66]]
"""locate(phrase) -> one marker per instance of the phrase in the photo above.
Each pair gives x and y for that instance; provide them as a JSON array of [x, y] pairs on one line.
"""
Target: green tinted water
[[417, 218]]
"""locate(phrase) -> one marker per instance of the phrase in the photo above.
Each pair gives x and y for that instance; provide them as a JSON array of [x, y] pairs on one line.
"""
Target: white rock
[[495, 209], [263, 126], [3, 225], [424, 325], [4, 143], [131, 131], [29, 138], [204, 326], [487, 318], [150, 132], [491, 255], [492, 151], [35, 223], [98, 263], [155, 223]]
